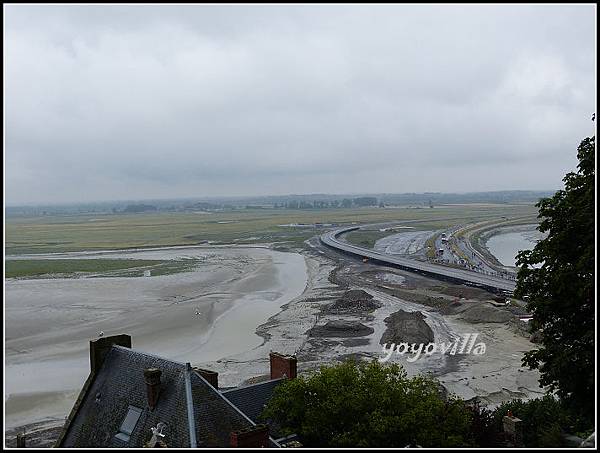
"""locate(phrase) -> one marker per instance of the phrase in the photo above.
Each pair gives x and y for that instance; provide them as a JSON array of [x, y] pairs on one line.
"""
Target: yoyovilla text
[[465, 344]]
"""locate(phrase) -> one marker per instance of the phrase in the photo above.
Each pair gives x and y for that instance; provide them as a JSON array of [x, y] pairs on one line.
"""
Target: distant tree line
[[328, 204], [137, 208], [293, 201]]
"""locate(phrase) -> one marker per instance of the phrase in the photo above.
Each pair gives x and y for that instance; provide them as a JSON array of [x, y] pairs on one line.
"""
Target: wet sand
[[49, 322], [494, 377], [404, 243]]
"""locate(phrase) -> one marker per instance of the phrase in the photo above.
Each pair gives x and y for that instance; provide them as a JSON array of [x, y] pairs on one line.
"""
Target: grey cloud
[[162, 101]]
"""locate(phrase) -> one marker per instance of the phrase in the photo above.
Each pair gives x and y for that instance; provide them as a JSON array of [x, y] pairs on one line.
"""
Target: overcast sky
[[134, 102]]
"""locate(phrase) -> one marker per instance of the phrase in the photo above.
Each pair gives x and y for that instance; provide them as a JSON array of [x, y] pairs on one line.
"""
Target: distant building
[[134, 399]]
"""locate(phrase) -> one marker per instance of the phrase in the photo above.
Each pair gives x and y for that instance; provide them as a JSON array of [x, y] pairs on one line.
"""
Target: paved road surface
[[463, 276]]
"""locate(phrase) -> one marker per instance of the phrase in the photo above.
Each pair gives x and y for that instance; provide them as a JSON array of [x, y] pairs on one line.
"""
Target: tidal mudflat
[[203, 315]]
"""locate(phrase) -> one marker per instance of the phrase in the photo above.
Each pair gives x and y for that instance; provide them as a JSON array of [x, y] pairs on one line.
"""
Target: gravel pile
[[341, 329], [407, 327], [353, 301]]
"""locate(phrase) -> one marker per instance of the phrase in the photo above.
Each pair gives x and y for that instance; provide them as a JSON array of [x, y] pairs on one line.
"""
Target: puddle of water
[[506, 246]]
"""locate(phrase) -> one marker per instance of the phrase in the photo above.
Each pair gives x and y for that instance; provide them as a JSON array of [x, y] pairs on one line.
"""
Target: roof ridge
[[251, 385], [237, 409], [137, 351], [190, 405]]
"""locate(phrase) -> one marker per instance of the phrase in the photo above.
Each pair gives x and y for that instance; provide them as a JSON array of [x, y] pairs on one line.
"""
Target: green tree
[[359, 404], [560, 291]]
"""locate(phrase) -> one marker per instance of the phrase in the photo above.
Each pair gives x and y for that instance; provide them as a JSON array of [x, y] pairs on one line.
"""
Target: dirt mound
[[407, 327], [341, 329], [353, 301], [486, 313], [465, 292], [451, 308], [356, 295]]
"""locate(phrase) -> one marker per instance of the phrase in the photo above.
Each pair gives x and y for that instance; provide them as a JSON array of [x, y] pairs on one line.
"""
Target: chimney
[[211, 376], [513, 429], [283, 366], [255, 436], [152, 379], [100, 347], [21, 440]]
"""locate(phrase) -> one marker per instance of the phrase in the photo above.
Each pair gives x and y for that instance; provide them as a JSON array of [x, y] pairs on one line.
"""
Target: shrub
[[544, 420], [359, 404]]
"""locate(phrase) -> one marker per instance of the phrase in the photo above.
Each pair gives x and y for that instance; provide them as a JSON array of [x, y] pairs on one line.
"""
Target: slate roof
[[215, 417], [252, 399], [119, 384]]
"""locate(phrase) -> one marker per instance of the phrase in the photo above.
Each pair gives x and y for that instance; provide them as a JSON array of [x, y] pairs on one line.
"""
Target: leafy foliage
[[484, 429], [560, 293], [358, 404], [544, 419]]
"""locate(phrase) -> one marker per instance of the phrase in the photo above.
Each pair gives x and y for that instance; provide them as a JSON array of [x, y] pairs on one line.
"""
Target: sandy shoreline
[[49, 322]]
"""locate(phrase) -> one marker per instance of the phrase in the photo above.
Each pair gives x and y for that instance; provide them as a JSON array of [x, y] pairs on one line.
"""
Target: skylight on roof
[[128, 425]]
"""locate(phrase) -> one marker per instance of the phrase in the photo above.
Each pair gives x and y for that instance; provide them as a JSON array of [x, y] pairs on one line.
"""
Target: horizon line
[[242, 197]]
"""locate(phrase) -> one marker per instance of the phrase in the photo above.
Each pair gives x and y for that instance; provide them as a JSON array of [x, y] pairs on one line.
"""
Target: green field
[[366, 238], [43, 268], [47, 234]]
